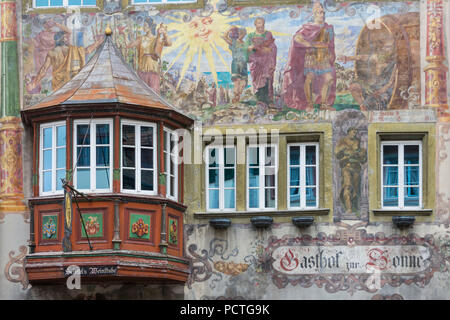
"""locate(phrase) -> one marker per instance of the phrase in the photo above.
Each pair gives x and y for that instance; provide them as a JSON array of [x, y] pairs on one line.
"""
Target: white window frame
[[262, 187], [162, 2], [401, 169], [302, 166], [171, 154], [93, 153], [65, 5], [221, 178], [137, 125], [54, 148]]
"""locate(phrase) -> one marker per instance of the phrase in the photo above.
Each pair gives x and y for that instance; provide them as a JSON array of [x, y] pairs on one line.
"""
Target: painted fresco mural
[[244, 64]]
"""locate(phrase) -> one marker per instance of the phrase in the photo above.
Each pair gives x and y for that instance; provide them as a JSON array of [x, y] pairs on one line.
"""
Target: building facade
[[225, 149]]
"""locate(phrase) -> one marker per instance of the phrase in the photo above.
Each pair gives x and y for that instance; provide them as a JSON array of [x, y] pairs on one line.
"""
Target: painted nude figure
[[351, 158], [310, 74], [239, 72]]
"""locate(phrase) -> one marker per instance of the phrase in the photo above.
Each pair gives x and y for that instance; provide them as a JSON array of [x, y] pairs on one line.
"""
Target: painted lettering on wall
[[295, 260]]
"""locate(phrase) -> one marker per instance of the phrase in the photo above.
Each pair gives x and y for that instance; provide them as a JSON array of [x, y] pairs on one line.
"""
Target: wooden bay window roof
[[104, 81]]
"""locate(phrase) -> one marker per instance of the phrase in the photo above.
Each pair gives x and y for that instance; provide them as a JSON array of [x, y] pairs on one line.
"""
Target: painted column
[[11, 180], [436, 71]]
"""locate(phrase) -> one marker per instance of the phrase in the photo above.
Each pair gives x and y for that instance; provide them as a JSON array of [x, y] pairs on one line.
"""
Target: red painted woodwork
[[41, 264]]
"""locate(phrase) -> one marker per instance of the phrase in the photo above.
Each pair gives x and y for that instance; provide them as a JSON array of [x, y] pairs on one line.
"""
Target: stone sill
[[405, 212], [250, 214]]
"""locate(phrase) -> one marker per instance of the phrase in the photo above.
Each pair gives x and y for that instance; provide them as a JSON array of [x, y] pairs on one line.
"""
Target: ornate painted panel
[[94, 225], [50, 227], [140, 225], [173, 234]]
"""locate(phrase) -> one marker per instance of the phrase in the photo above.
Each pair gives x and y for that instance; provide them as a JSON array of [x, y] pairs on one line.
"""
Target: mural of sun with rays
[[201, 38]]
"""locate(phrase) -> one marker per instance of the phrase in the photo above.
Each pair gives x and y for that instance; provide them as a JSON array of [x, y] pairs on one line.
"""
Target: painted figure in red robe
[[310, 75], [262, 61]]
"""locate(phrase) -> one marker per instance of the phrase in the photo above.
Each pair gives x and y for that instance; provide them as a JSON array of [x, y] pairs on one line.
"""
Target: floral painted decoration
[[49, 228], [92, 226], [140, 228], [173, 232]]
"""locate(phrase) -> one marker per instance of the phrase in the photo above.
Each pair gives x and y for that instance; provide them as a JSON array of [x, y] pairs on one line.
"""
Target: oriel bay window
[[221, 178], [110, 206], [262, 170], [303, 173], [401, 174], [138, 157], [52, 157], [93, 155]]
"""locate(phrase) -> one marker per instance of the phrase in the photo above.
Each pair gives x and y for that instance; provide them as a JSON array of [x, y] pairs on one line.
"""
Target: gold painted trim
[[9, 39], [10, 123]]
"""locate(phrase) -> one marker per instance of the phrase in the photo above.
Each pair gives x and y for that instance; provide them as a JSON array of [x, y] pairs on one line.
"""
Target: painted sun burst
[[201, 37]]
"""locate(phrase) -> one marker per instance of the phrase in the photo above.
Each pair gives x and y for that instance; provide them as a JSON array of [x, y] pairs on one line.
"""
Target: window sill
[[249, 214], [56, 10], [409, 212], [99, 197]]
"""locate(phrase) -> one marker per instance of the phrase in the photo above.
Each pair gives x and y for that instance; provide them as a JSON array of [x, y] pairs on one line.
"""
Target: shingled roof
[[106, 78]]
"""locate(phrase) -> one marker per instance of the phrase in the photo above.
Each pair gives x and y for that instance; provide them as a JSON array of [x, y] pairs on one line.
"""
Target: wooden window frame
[[171, 154], [261, 187], [302, 167], [54, 147], [221, 169], [137, 190], [93, 155], [401, 180]]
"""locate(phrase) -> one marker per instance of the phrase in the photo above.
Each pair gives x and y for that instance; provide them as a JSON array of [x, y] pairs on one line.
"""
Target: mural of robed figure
[[65, 59], [262, 61], [310, 75], [149, 49]]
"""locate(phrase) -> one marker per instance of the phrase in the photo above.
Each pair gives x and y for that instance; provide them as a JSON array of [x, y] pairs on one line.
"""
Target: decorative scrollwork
[[201, 269], [220, 247], [15, 267]]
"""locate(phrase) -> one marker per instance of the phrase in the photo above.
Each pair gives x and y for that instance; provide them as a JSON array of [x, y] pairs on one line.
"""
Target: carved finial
[[108, 30]]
